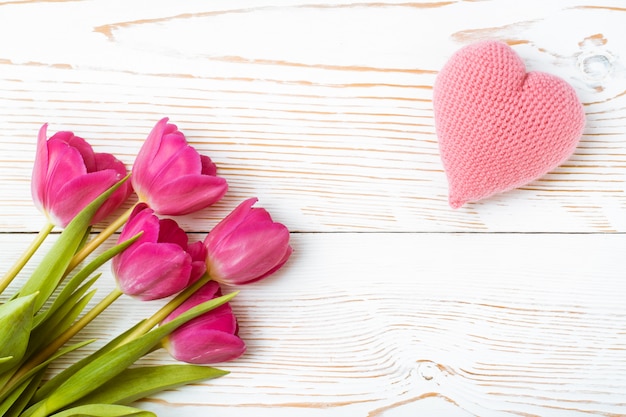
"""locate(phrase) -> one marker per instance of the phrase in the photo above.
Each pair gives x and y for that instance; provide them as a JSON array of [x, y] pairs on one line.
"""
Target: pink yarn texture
[[500, 127]]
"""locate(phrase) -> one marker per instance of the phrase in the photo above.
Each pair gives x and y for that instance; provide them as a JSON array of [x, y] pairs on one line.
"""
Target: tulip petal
[[259, 217], [167, 156], [176, 158], [158, 264], [279, 265], [171, 176], [221, 319], [230, 222], [197, 251], [64, 164], [251, 238], [58, 186], [198, 261], [170, 232], [104, 161], [81, 145], [204, 346], [249, 253], [108, 161], [142, 219], [208, 167], [145, 156], [188, 194], [246, 246], [207, 292], [62, 136], [208, 338], [40, 168], [156, 270], [198, 268], [72, 197]]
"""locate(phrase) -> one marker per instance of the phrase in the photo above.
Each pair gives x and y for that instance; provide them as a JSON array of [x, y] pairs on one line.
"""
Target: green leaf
[[136, 383], [61, 318], [16, 317], [68, 320], [85, 238], [104, 410], [81, 276], [102, 369], [51, 269], [61, 302], [25, 376], [19, 398], [8, 402], [60, 378], [60, 321]]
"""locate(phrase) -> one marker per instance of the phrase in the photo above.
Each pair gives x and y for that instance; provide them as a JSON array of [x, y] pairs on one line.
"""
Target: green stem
[[99, 239], [22, 260], [56, 344], [165, 311]]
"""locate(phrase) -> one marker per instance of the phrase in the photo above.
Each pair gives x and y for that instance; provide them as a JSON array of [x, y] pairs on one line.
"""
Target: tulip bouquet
[[153, 259]]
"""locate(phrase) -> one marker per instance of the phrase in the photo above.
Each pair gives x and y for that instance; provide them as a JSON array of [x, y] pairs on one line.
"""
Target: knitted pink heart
[[500, 127]]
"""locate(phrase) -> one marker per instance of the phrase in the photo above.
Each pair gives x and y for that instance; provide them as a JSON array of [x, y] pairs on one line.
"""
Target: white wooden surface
[[393, 304]]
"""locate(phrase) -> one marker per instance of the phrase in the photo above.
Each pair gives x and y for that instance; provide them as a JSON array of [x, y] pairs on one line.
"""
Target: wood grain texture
[[393, 304], [381, 324], [323, 110]]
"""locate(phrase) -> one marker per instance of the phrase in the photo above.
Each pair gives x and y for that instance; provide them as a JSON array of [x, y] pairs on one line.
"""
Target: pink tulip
[[246, 246], [161, 262], [171, 177], [68, 175], [209, 338]]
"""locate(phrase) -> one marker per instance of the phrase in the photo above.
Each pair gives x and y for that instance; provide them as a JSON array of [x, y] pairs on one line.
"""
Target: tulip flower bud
[[209, 338], [161, 262], [246, 246], [68, 175], [171, 177]]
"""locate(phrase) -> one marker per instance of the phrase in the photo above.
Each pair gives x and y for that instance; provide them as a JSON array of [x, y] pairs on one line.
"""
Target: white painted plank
[[322, 109], [381, 324]]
